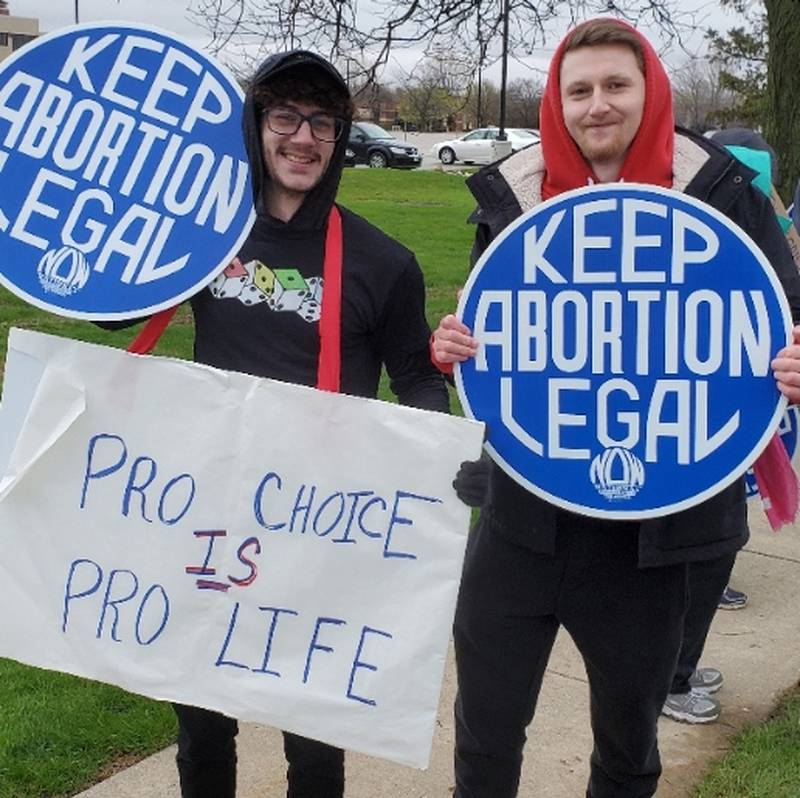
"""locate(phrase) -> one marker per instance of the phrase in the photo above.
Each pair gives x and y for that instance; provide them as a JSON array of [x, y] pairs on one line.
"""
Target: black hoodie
[[261, 316]]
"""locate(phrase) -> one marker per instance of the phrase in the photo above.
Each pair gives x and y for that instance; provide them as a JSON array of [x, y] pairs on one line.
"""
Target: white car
[[478, 145]]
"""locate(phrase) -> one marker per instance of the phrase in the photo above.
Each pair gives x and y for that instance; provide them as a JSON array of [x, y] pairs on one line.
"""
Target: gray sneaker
[[706, 681], [691, 707]]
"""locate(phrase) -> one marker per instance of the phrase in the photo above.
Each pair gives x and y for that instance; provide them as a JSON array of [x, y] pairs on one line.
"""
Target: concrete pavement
[[757, 648]]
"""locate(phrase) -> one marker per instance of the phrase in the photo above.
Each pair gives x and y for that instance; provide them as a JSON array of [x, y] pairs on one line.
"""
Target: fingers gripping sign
[[452, 341], [786, 368]]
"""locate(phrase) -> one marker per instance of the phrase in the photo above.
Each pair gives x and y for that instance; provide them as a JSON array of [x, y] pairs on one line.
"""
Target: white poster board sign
[[270, 551]]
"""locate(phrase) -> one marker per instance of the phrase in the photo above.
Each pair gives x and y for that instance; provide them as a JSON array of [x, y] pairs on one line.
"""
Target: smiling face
[[602, 100], [295, 163]]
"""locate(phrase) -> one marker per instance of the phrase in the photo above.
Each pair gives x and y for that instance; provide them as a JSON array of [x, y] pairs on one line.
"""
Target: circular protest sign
[[625, 333], [126, 184], [788, 429]]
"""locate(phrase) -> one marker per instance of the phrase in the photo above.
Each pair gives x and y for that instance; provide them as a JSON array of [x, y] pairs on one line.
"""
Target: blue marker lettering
[[315, 646], [304, 508], [164, 615], [355, 496], [276, 612], [258, 500], [338, 496], [69, 596], [398, 519], [220, 659], [89, 473], [367, 532], [132, 487], [187, 504], [113, 603], [359, 663]]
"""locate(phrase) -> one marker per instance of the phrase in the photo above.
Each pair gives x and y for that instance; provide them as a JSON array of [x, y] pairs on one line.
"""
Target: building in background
[[15, 31]]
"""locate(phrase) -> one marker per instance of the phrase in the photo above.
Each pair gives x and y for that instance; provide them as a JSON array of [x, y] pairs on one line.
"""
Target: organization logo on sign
[[625, 338], [125, 179]]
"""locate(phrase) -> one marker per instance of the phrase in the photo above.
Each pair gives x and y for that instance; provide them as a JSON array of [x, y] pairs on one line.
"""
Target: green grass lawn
[[764, 761], [59, 734]]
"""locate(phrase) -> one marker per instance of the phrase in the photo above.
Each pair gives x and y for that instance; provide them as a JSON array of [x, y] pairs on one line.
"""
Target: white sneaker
[[691, 707], [706, 681]]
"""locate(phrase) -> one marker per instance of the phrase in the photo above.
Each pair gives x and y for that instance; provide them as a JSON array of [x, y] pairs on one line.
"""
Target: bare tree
[[699, 96], [435, 90], [370, 30], [524, 99], [489, 108]]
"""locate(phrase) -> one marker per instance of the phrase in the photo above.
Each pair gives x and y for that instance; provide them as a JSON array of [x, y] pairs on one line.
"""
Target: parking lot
[[423, 142]]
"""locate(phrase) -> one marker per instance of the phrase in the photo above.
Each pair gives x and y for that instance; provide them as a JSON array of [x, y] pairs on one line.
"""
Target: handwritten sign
[[277, 553], [125, 180], [626, 333]]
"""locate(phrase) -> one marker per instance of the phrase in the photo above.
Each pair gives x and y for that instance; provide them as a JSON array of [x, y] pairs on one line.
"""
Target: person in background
[[690, 698]]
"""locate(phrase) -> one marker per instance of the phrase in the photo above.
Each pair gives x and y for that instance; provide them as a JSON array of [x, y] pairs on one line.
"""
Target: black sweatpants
[[207, 759], [626, 622], [707, 581]]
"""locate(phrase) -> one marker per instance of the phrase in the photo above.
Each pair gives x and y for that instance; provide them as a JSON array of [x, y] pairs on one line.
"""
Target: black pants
[[625, 621], [207, 759], [707, 581]]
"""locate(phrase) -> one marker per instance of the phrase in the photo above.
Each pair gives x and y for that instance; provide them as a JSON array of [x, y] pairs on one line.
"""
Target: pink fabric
[[777, 484]]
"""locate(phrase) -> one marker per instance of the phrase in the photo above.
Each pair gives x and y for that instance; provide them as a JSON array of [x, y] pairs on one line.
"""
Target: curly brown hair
[[304, 84]]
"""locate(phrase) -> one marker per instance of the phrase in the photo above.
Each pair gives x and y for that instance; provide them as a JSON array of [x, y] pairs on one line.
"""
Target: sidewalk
[[757, 648]]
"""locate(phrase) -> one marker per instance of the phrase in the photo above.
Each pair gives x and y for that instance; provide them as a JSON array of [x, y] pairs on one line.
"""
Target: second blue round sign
[[625, 338]]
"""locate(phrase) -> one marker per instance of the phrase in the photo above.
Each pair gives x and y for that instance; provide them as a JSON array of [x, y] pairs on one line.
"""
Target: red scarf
[[329, 363], [649, 159]]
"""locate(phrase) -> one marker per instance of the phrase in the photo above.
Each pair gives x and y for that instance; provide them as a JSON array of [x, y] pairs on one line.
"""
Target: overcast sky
[[171, 15]]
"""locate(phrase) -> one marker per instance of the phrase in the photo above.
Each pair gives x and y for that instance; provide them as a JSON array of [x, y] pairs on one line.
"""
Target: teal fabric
[[758, 161]]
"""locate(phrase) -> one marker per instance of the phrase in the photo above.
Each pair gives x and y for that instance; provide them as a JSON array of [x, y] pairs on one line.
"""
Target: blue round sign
[[126, 185], [625, 333]]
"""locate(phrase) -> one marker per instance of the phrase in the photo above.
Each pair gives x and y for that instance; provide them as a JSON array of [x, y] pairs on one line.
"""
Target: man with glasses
[[317, 296]]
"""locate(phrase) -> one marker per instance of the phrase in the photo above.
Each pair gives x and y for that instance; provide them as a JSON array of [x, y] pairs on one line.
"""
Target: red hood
[[649, 159]]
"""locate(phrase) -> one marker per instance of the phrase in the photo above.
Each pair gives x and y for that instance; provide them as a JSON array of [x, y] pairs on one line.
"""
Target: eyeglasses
[[286, 122]]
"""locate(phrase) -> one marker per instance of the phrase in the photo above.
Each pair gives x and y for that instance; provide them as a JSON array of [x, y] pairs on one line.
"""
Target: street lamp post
[[76, 12], [501, 136]]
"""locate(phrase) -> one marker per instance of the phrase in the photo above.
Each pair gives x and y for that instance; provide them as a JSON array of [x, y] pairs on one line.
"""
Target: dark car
[[372, 145]]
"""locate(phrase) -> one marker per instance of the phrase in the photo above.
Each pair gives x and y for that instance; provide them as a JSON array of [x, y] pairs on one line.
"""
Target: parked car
[[477, 145], [372, 145]]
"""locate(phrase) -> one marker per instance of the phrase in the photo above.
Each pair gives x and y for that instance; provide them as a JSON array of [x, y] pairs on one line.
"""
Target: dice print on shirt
[[285, 290], [231, 282]]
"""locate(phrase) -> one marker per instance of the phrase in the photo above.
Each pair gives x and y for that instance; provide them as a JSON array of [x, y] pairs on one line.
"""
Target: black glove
[[472, 481]]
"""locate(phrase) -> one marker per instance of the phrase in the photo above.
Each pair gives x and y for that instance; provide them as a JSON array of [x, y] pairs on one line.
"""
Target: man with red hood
[[618, 587]]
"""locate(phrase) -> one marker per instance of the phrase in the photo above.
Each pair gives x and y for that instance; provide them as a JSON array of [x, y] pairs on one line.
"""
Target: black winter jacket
[[704, 170]]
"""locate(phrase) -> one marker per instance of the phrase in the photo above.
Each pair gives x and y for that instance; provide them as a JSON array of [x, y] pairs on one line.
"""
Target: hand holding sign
[[452, 341], [786, 366]]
